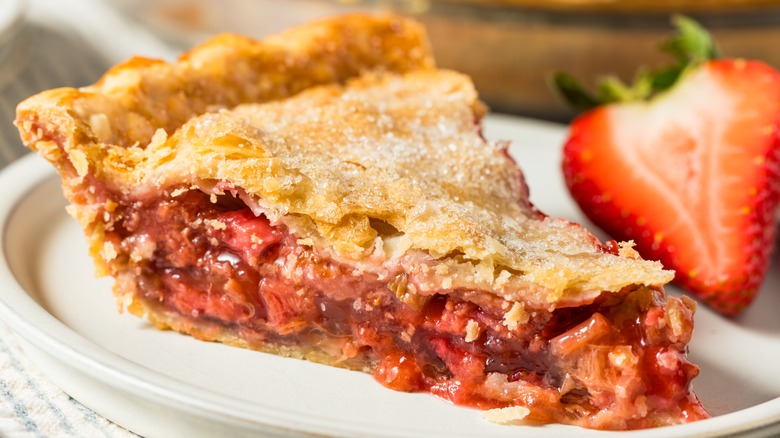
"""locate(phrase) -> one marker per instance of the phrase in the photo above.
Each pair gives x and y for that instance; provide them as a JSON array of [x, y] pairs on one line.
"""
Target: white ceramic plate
[[164, 384]]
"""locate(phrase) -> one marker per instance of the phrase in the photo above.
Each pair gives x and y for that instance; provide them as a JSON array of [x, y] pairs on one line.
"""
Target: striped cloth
[[33, 407], [63, 43]]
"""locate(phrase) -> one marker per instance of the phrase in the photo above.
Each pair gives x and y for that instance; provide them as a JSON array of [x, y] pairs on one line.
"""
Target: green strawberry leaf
[[570, 90], [691, 45]]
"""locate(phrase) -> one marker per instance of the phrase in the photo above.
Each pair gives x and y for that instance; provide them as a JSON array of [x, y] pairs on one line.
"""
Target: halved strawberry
[[693, 174]]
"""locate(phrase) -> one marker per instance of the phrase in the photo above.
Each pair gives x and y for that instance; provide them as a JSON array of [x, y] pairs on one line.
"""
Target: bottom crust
[[211, 331]]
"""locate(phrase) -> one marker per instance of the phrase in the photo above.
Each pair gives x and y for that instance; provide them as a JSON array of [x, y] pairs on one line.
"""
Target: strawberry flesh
[[693, 177]]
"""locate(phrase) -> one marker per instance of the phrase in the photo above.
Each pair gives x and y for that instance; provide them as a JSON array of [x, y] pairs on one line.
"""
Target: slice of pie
[[327, 194]]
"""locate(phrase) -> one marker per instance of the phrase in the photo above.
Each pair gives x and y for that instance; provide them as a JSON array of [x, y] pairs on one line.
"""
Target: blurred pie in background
[[509, 47]]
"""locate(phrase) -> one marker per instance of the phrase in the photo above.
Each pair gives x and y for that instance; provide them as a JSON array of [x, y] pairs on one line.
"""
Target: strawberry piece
[[692, 176], [246, 234]]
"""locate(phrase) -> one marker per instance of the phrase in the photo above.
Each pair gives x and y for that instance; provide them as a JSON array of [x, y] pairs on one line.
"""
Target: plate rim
[[23, 316]]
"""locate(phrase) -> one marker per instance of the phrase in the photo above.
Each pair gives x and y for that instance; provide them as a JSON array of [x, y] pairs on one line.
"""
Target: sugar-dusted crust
[[331, 162], [403, 150]]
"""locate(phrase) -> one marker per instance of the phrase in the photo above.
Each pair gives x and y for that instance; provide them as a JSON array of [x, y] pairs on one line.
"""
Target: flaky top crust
[[390, 166], [135, 98]]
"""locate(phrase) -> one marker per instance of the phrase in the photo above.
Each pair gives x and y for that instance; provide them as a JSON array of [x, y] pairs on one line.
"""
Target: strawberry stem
[[691, 45]]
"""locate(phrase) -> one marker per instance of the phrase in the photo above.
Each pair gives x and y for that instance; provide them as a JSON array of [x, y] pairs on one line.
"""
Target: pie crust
[[327, 194]]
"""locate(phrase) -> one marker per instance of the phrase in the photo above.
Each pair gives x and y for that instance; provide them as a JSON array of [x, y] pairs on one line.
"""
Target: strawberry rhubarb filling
[[231, 275]]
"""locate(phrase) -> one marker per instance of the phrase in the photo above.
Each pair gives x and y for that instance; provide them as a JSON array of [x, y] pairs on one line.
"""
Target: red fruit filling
[[618, 363]]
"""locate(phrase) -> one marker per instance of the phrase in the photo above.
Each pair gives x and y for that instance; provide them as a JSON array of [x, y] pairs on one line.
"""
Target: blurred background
[[509, 47]]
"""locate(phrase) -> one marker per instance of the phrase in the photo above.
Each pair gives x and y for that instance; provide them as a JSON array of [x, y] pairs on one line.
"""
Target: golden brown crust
[[331, 163], [74, 127], [133, 99]]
